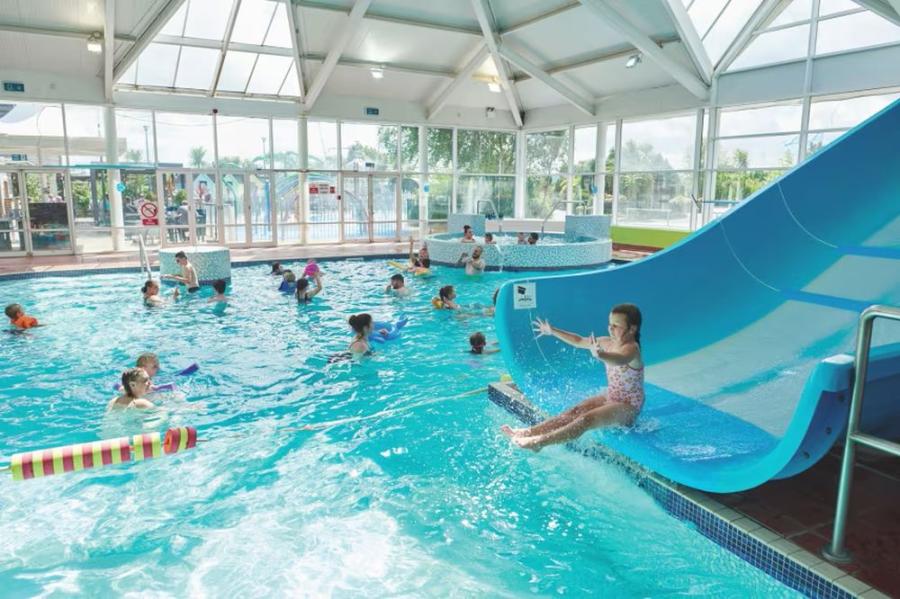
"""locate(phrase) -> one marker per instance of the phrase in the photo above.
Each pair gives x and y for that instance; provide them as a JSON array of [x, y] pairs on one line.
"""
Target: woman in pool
[[468, 235], [362, 326], [135, 385], [303, 293], [152, 299], [418, 261], [624, 397]]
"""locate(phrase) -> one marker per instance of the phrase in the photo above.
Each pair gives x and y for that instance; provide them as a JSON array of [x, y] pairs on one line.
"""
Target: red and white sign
[[149, 214]]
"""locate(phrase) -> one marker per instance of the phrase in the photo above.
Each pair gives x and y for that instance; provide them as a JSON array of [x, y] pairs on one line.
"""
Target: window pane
[[268, 74], [252, 21], [758, 152], [798, 10], [134, 132], [321, 141], [541, 193], [585, 149], [85, 130], [280, 31], [196, 68], [156, 65], [207, 19], [660, 144], [486, 151], [243, 142], [440, 187], [723, 32], [655, 200], [175, 25], [829, 7], [368, 146], [775, 46], [287, 198], [409, 148], [184, 139], [767, 119], [704, 12], [830, 114], [735, 186], [291, 85], [37, 131], [610, 163], [440, 150], [286, 153], [409, 217], [236, 71], [858, 30], [583, 193], [817, 141], [547, 152], [475, 189]]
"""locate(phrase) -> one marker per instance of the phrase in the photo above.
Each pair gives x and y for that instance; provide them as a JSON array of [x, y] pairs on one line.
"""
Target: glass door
[[383, 200], [12, 214], [356, 202], [205, 208], [176, 209], [259, 207], [234, 218], [48, 211], [324, 213]]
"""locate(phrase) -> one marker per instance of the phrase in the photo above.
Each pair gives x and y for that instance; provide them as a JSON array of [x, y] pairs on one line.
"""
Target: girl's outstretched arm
[[629, 353], [543, 327]]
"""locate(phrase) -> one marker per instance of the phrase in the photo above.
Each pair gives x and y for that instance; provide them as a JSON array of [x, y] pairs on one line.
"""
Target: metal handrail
[[553, 208], [836, 551], [145, 261]]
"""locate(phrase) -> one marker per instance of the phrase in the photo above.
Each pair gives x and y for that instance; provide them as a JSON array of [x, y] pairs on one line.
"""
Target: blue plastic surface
[[747, 323]]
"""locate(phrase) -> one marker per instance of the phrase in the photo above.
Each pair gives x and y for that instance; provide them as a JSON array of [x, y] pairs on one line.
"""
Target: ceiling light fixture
[[634, 60], [95, 43], [377, 72], [494, 86]]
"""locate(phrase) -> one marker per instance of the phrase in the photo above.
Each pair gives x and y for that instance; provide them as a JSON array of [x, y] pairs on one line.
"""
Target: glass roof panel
[[774, 46], [207, 19], [798, 10], [291, 86], [252, 21], [236, 71], [268, 74], [156, 65], [728, 26], [175, 25], [129, 74], [829, 7], [280, 30], [704, 12], [196, 68], [858, 30]]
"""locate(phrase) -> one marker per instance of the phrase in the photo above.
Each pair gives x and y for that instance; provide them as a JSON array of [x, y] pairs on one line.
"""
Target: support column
[[519, 211], [423, 194], [600, 170], [303, 147], [116, 215]]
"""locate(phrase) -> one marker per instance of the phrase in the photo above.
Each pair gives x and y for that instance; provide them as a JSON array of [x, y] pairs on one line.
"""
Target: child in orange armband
[[18, 318]]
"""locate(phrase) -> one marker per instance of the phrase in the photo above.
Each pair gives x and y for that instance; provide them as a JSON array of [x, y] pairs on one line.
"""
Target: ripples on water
[[405, 493]]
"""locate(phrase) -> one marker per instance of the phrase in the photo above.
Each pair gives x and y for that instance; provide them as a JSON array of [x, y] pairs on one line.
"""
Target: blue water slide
[[749, 323]]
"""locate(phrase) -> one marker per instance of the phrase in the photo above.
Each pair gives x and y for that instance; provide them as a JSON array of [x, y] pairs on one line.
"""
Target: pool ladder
[[493, 208], [553, 208], [145, 260], [836, 551]]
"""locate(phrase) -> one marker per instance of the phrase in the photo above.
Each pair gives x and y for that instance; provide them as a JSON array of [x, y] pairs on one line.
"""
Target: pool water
[[406, 488]]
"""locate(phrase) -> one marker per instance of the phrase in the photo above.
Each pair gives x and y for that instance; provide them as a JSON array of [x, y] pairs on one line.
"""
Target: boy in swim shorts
[[18, 318], [188, 274]]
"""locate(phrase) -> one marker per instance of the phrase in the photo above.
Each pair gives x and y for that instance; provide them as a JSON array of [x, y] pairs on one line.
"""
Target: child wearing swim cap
[[312, 269], [18, 318]]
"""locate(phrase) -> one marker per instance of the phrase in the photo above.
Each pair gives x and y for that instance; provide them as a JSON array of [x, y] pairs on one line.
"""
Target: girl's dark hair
[[220, 285], [477, 341], [359, 322], [300, 292], [444, 293], [147, 284], [397, 277], [632, 316], [276, 267], [425, 262], [129, 376]]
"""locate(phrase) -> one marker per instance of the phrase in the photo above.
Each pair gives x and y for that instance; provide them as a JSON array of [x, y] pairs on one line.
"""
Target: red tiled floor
[[802, 509]]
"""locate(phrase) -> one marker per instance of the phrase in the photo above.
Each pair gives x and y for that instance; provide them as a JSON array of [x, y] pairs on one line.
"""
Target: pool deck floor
[[801, 508]]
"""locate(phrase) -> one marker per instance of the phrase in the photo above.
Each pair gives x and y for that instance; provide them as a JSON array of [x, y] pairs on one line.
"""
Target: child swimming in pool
[[276, 269], [188, 275], [446, 299], [135, 385], [479, 343], [288, 281], [150, 291], [19, 319], [219, 285], [624, 397], [362, 327]]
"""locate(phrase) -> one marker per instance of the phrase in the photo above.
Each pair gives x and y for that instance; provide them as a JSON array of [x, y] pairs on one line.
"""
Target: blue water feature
[[749, 323]]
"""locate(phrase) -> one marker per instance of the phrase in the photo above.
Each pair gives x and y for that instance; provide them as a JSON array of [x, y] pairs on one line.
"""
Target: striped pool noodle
[[71, 458], [180, 439]]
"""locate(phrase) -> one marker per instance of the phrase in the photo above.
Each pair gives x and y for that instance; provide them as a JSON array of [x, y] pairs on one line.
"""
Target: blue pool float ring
[[387, 331]]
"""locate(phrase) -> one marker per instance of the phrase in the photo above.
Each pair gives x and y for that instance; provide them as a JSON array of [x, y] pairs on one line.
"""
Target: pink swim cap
[[311, 269]]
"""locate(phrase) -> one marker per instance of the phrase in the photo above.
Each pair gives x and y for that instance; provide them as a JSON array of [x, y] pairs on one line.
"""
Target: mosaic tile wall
[[211, 263], [446, 249]]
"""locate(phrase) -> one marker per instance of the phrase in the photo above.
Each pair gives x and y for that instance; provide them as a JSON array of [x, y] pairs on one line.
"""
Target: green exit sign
[[13, 86]]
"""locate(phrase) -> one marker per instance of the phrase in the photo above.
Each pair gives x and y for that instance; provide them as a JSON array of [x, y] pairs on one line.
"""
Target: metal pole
[[836, 551]]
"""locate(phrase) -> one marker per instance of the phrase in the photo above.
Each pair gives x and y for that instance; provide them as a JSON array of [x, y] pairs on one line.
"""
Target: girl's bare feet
[[512, 432]]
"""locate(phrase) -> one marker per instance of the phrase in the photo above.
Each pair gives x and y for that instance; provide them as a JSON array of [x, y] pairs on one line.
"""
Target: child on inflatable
[[445, 299], [19, 319], [135, 385], [421, 260]]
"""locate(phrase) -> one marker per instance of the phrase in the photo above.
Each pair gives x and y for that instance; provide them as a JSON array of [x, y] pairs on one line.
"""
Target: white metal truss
[[574, 98], [886, 9], [690, 38], [156, 23], [489, 31], [296, 45], [765, 13], [109, 49], [648, 47], [350, 27], [223, 47], [449, 88]]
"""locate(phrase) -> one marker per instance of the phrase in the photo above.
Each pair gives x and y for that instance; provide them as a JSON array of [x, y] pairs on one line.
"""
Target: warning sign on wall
[[149, 213], [524, 296]]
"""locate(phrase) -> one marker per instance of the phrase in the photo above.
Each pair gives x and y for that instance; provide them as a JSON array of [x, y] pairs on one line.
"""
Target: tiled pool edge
[[754, 543]]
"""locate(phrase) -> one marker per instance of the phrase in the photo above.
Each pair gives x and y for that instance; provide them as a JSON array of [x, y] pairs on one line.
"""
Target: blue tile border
[[742, 536]]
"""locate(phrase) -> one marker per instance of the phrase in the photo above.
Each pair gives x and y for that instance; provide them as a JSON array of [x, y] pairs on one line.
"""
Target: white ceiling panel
[[54, 14], [456, 13], [319, 29], [354, 81], [511, 12], [61, 55], [384, 42], [475, 94], [535, 94], [610, 77], [650, 16], [133, 15]]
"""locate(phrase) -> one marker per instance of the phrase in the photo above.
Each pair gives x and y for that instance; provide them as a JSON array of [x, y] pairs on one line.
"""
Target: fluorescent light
[[95, 43], [377, 72], [633, 60], [494, 87]]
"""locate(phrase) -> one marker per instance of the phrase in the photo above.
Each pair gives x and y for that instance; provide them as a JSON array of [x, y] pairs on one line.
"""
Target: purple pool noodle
[[189, 370]]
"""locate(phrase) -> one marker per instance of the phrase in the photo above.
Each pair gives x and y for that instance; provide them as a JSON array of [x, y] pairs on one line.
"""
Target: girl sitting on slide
[[621, 354]]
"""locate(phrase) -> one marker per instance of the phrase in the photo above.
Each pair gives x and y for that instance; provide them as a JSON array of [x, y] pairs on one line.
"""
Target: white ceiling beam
[[690, 38], [764, 14], [296, 46], [223, 47], [575, 99], [649, 48], [49, 31], [388, 18], [334, 54], [541, 17], [157, 22], [109, 49], [449, 88], [489, 32], [891, 11]]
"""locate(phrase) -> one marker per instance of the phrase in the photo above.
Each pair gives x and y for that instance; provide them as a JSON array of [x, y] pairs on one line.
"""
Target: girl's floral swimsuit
[[625, 384]]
